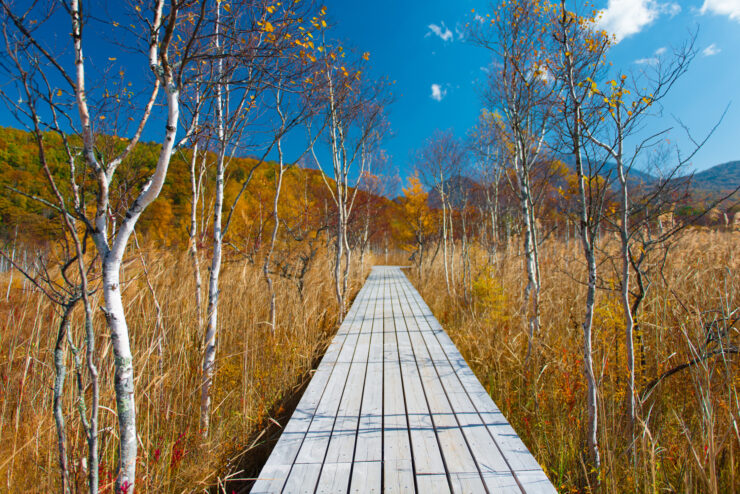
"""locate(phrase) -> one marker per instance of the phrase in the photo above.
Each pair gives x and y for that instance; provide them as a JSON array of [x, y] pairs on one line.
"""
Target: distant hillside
[[635, 177], [724, 177], [304, 194], [707, 185]]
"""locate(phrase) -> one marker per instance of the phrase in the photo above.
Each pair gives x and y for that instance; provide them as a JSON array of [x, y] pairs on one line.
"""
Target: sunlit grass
[[685, 440], [256, 369]]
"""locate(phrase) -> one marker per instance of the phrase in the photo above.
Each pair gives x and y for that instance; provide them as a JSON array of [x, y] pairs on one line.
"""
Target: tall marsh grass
[[686, 437], [256, 370]]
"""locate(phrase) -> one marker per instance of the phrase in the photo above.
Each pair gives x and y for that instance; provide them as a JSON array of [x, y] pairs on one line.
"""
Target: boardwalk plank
[[425, 446], [369, 433], [334, 478], [397, 465], [303, 478], [366, 477], [342, 441]]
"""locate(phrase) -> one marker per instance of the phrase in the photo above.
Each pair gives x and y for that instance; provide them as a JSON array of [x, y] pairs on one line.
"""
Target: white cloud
[[652, 60], [711, 50], [438, 92], [623, 18], [730, 8], [459, 31], [443, 32], [646, 61], [672, 9]]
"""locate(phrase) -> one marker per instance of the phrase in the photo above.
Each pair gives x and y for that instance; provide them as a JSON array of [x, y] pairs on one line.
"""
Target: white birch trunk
[[338, 255], [629, 322], [209, 354], [531, 291], [92, 429], [193, 236], [275, 212], [60, 374], [444, 240]]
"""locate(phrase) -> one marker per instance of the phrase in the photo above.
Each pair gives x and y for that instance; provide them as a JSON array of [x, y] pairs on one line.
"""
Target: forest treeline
[[390, 199], [306, 197]]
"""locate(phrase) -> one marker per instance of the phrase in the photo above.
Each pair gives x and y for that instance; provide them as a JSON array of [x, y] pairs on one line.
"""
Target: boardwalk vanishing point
[[394, 407]]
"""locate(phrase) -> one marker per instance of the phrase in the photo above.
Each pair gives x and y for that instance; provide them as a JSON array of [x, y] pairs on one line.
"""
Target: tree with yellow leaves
[[519, 88], [419, 219]]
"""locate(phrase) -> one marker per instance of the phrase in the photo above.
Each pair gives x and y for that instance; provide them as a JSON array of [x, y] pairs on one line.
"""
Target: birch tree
[[159, 25], [197, 170], [519, 89], [353, 108], [68, 289], [252, 48], [289, 117], [580, 57], [488, 154], [440, 161]]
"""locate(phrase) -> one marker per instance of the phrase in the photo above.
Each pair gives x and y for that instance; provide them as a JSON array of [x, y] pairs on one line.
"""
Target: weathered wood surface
[[393, 407]]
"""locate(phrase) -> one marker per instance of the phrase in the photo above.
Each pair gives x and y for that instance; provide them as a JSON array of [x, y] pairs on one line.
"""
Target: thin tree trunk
[[209, 354], [531, 291], [453, 275], [339, 253], [12, 258], [347, 264], [92, 430], [365, 234], [275, 215], [444, 243], [193, 238], [465, 260], [588, 227], [592, 399], [60, 375], [629, 322]]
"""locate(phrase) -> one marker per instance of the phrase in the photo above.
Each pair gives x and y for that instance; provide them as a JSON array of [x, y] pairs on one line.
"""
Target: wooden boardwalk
[[393, 407]]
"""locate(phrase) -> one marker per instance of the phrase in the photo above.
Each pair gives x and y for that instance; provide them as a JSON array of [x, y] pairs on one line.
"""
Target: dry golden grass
[[686, 437], [256, 372]]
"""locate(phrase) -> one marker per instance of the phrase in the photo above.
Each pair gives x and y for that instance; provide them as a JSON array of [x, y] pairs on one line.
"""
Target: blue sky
[[438, 75], [417, 43]]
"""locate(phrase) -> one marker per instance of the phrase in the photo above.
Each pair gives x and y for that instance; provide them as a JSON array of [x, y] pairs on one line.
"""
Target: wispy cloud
[[623, 18], [438, 93], [730, 8], [672, 9], [459, 31], [652, 60], [442, 32], [710, 50]]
